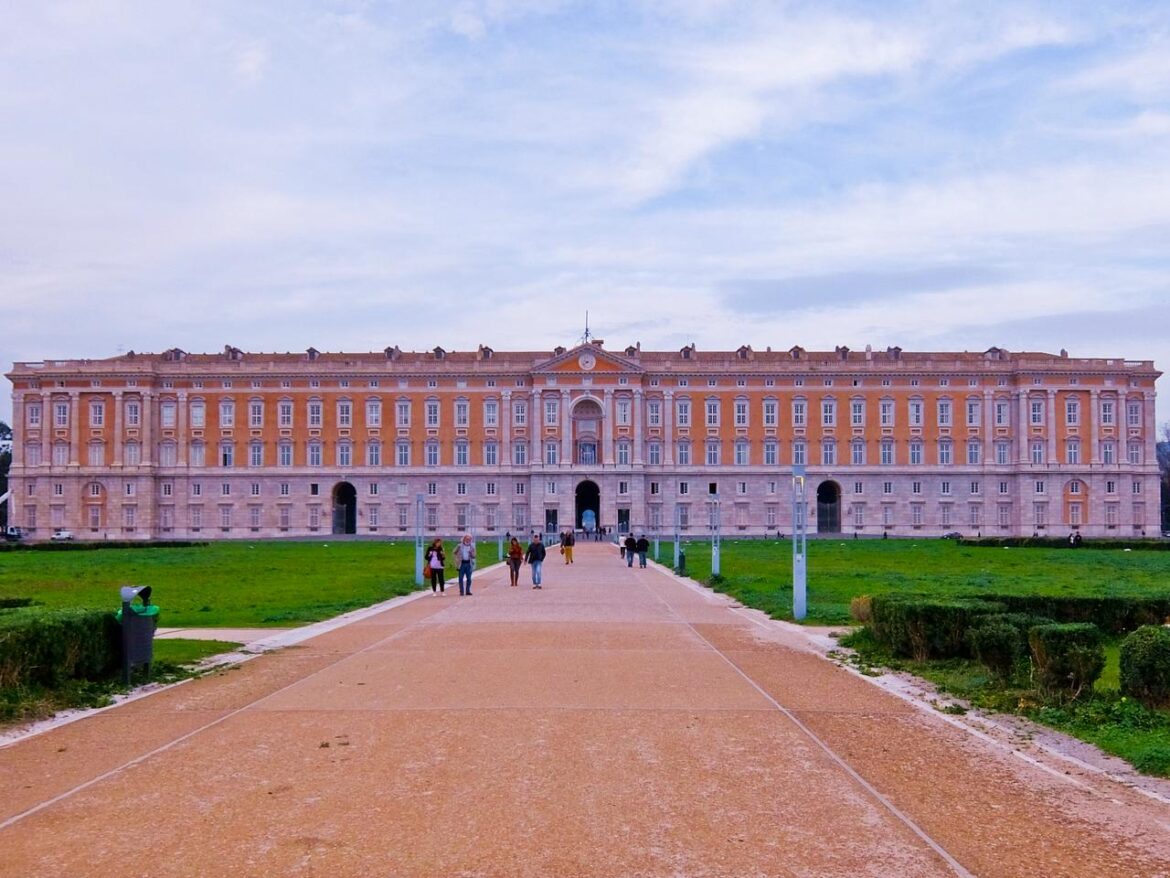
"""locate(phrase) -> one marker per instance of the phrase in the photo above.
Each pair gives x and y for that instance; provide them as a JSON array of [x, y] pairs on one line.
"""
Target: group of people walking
[[641, 546], [435, 559]]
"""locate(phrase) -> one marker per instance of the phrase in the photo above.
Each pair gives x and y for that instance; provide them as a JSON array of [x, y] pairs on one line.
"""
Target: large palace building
[[243, 445]]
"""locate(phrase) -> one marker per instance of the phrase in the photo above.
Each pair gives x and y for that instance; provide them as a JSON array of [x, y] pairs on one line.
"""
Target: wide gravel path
[[615, 723]]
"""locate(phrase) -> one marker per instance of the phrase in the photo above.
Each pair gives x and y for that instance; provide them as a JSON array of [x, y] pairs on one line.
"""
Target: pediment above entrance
[[587, 359]]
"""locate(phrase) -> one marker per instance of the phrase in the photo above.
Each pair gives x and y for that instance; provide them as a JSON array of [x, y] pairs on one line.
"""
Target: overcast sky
[[352, 175]]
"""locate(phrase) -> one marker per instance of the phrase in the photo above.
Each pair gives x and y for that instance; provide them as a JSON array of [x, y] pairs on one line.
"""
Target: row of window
[[712, 413], [345, 454], [225, 516]]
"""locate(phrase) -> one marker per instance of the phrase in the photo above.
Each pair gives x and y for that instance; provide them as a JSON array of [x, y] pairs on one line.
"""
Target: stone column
[[147, 427], [1051, 426], [74, 427], [607, 428], [18, 431], [638, 437], [506, 429], [988, 427], [566, 429], [118, 428], [668, 429], [47, 428], [1023, 430], [181, 433], [1094, 428]]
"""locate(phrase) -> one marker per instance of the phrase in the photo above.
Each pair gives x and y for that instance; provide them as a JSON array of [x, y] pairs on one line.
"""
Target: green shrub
[[1068, 658], [1115, 615], [12, 603], [1145, 666], [46, 647], [925, 628], [997, 645]]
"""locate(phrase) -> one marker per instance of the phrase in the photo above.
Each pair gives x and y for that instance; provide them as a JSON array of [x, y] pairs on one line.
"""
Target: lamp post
[[799, 543], [677, 528], [715, 534], [657, 527], [418, 539]]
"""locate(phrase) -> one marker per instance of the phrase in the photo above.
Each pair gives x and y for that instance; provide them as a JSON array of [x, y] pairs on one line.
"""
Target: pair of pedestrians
[[641, 545], [534, 556], [435, 561]]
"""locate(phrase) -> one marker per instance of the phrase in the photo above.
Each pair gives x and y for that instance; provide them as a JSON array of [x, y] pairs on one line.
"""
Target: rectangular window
[[373, 413], [944, 413], [799, 453], [974, 453], [857, 454], [32, 414], [432, 453], [974, 410], [374, 455], [1037, 410], [684, 454], [552, 452], [1002, 413], [887, 452], [491, 413], [741, 454], [314, 413], [654, 453], [828, 413], [284, 413], [520, 454], [770, 454], [887, 487], [403, 454], [462, 412], [654, 413], [712, 454], [712, 413], [431, 409], [799, 413], [1072, 451], [915, 413], [254, 489], [315, 454], [519, 413], [402, 413], [1001, 453], [945, 454], [1037, 453], [1108, 453], [462, 454], [1072, 412], [491, 452], [623, 412], [284, 489], [945, 488], [97, 414], [886, 412], [227, 413], [345, 414], [256, 454], [255, 414], [828, 454], [770, 413], [684, 487], [134, 414], [1108, 413], [284, 454], [857, 413], [683, 412], [916, 453], [741, 413], [916, 514]]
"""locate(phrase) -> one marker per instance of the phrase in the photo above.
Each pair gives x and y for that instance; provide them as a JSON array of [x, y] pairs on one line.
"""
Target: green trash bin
[[139, 619]]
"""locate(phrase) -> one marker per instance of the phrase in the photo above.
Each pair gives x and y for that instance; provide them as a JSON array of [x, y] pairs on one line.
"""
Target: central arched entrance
[[828, 508], [344, 508], [588, 509]]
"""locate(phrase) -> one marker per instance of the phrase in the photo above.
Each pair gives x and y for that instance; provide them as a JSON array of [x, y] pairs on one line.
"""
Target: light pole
[[418, 539], [715, 534], [657, 528], [799, 543], [677, 527]]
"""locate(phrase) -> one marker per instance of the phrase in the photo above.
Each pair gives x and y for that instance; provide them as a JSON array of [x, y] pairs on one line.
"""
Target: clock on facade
[[586, 361]]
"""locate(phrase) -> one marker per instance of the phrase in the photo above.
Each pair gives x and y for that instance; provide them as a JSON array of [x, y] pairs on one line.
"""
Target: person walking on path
[[630, 546], [435, 559], [465, 557], [567, 544], [515, 559], [643, 546], [535, 558]]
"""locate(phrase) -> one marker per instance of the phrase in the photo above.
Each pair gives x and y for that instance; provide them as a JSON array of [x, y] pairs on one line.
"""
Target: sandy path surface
[[615, 723]]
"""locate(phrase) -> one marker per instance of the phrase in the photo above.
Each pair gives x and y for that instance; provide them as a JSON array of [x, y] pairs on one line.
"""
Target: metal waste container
[[139, 621]]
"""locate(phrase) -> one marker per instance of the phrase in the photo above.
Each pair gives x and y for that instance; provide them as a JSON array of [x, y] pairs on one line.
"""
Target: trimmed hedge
[[13, 603], [1113, 615], [1067, 658], [87, 546], [46, 647], [1152, 544], [997, 644], [1145, 666], [923, 627]]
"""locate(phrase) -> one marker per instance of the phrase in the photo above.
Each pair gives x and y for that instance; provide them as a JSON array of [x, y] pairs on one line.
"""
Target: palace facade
[[242, 445]]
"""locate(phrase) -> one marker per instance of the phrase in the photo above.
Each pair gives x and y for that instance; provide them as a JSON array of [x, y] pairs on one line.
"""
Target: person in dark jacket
[[434, 560], [642, 546], [630, 546], [535, 558]]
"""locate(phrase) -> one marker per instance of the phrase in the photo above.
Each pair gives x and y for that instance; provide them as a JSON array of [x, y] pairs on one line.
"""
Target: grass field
[[759, 573], [226, 583]]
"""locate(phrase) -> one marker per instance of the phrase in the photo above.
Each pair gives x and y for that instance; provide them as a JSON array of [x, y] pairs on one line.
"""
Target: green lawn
[[759, 573], [243, 584]]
